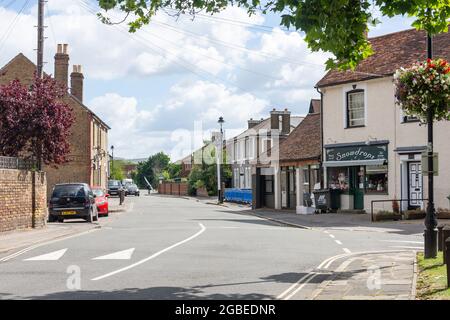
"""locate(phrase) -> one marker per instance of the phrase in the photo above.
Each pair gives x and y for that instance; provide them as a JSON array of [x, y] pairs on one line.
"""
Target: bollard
[[447, 250], [440, 238], [445, 236]]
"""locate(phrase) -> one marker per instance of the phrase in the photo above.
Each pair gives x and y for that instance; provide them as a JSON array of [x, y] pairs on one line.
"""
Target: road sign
[[425, 164]]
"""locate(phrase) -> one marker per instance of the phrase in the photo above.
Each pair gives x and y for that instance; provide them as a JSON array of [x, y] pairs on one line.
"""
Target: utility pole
[[40, 39], [431, 232], [219, 151]]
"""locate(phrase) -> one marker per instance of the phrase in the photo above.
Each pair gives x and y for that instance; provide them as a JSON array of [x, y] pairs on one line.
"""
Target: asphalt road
[[172, 248]]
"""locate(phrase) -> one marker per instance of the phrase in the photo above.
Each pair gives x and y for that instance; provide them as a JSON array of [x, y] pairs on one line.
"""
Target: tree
[[34, 122], [117, 171], [152, 169], [337, 26]]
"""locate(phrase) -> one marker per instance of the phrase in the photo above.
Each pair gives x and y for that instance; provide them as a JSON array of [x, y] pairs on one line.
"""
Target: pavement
[[184, 248]]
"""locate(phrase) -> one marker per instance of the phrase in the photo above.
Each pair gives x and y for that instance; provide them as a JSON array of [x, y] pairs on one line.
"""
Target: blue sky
[[154, 87]]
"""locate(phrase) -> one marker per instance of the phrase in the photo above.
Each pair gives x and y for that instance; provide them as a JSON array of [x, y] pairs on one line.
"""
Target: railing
[[238, 195], [393, 200], [15, 163]]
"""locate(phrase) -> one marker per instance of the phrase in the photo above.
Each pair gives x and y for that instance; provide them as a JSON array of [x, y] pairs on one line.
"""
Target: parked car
[[132, 189], [114, 187], [72, 201], [101, 200]]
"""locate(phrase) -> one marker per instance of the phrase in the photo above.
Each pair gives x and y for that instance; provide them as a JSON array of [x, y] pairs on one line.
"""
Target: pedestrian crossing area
[[59, 254]]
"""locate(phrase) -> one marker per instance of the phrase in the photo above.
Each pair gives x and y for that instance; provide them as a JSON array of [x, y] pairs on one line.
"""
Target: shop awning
[[376, 162]]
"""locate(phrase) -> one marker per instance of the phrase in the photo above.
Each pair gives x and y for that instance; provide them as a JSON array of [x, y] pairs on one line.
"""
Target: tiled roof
[[314, 106], [391, 51], [304, 142]]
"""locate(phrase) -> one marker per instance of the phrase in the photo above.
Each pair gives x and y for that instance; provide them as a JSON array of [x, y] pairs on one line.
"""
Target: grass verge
[[432, 279]]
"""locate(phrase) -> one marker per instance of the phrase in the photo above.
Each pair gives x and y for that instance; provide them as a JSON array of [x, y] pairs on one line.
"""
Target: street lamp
[[112, 161], [431, 232], [218, 157]]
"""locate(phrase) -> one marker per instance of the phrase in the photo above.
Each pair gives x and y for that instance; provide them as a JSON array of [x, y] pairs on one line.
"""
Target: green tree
[[151, 169], [337, 26], [117, 172]]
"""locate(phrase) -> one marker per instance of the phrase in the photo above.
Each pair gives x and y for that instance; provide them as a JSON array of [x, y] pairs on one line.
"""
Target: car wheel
[[89, 217], [96, 215]]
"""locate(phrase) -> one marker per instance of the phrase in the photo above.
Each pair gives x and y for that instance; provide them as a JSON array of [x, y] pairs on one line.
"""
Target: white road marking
[[406, 247], [402, 241], [21, 252], [312, 276], [120, 255], [52, 256], [338, 242], [286, 292], [346, 250], [152, 256], [332, 236]]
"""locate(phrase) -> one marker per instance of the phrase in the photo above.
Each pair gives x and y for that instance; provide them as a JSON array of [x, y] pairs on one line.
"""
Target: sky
[[164, 87]]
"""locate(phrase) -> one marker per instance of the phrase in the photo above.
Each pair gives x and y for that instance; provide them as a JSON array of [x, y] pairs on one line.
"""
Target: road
[[175, 248]]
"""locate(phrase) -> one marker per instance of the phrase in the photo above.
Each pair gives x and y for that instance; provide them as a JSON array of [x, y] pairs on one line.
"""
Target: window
[[305, 176], [377, 179], [338, 178], [355, 108], [269, 185]]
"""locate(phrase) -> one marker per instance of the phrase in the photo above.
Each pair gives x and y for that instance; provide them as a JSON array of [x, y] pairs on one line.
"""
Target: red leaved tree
[[35, 122]]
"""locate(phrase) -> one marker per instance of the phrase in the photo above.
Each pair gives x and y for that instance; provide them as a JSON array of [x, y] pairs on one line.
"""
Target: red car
[[101, 200]]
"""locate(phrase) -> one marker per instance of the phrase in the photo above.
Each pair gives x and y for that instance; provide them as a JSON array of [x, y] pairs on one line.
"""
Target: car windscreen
[[113, 183], [69, 191], [98, 192]]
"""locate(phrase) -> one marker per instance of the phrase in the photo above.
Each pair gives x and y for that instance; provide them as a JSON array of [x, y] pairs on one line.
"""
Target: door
[[415, 185], [356, 182]]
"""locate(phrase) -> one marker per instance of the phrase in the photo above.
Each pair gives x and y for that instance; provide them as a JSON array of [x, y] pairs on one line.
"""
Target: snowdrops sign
[[424, 85]]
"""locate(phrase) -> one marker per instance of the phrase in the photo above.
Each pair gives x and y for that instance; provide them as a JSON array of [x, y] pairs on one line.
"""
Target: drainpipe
[[321, 139]]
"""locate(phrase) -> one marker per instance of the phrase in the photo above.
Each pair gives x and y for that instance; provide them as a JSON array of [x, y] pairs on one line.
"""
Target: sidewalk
[[14, 240], [381, 276], [350, 222]]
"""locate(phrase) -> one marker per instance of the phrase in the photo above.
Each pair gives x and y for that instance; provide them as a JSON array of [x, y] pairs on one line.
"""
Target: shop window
[[355, 108], [377, 179], [306, 176], [338, 178]]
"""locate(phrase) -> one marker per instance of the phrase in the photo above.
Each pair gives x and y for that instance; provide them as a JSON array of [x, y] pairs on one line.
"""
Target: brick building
[[88, 158]]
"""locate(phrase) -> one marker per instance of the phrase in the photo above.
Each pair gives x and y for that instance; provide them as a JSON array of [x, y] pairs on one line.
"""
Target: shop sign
[[357, 153]]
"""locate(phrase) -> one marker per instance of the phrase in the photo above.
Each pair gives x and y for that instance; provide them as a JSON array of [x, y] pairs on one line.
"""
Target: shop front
[[357, 170]]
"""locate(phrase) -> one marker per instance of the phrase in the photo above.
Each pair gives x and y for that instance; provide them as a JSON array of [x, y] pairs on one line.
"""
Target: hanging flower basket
[[424, 85]]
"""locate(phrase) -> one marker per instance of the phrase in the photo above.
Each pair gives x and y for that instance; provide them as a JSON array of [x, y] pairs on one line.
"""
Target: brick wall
[[16, 200], [175, 189]]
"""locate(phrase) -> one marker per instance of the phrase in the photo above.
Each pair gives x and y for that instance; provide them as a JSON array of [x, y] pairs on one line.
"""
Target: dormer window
[[355, 109]]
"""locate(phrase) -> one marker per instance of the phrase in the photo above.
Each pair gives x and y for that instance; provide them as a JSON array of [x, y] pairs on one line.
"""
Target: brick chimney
[[286, 123], [252, 123], [280, 120], [76, 83], [62, 64]]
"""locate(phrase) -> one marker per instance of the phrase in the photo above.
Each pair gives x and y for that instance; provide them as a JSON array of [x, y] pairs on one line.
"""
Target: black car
[[114, 187], [72, 201], [132, 189]]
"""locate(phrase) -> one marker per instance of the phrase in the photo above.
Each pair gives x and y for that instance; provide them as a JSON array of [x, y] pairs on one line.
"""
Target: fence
[[173, 188], [238, 195], [15, 163]]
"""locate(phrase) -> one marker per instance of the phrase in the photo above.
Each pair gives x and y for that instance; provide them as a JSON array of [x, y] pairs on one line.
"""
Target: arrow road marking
[[202, 229], [52, 256], [119, 255]]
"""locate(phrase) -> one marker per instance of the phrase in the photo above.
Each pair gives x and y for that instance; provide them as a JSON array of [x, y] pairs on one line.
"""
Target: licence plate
[[68, 213]]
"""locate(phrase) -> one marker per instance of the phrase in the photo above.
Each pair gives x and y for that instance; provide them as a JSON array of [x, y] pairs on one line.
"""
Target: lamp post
[[431, 232], [219, 160], [112, 161]]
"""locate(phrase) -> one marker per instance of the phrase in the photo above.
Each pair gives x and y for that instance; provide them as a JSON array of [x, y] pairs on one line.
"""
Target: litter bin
[[322, 199], [335, 199]]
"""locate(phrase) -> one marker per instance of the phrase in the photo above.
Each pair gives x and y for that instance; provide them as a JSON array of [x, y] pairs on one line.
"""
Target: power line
[[11, 26], [184, 64]]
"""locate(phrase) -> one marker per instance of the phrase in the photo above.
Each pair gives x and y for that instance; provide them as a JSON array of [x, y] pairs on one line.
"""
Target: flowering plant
[[422, 86]]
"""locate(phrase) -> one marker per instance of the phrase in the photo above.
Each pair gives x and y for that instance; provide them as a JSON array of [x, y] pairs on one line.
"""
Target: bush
[[414, 214], [386, 215], [443, 213]]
